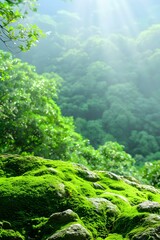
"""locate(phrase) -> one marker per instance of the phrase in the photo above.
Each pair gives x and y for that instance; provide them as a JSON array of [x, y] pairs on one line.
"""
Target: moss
[[117, 187], [32, 189], [15, 165], [10, 235], [125, 223], [120, 201], [115, 236], [142, 233], [152, 197], [43, 227], [30, 195]]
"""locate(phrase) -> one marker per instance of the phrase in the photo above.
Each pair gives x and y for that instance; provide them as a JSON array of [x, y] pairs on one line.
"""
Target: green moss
[[115, 237], [32, 195], [125, 191], [31, 189], [125, 223], [120, 201], [152, 197], [15, 165], [117, 187], [146, 233], [10, 234]]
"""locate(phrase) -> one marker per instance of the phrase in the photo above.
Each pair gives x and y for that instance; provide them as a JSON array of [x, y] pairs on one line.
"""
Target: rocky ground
[[54, 200]]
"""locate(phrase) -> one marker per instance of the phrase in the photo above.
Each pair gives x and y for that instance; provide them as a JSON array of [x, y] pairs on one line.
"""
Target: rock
[[113, 176], [63, 217], [139, 186], [80, 166], [105, 208], [73, 232], [61, 192], [52, 170], [130, 178], [147, 234], [149, 206], [132, 183], [121, 198], [88, 175], [152, 218], [103, 204], [98, 186], [149, 188]]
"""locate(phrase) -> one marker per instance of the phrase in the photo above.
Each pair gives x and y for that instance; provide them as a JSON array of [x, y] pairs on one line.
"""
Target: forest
[[79, 120], [89, 86], [109, 65]]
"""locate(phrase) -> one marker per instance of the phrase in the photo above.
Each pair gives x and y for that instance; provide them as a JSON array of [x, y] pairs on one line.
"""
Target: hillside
[[46, 199], [108, 56]]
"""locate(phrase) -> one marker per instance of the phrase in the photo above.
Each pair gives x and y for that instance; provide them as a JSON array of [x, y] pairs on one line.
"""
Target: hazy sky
[[113, 14]]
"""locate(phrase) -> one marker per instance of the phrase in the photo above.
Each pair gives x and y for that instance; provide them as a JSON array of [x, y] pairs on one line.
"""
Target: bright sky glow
[[113, 16], [110, 14]]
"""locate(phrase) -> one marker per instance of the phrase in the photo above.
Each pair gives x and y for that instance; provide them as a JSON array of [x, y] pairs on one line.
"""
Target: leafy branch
[[12, 31]]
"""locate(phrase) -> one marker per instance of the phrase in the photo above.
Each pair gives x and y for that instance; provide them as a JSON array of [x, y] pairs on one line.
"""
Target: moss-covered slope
[[45, 199]]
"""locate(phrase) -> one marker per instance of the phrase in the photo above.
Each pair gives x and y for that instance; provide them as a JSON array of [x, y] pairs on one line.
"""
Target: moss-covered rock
[[63, 217], [148, 206], [75, 231], [46, 199]]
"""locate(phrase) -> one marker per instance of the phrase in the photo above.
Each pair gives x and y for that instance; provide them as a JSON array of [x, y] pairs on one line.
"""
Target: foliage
[[111, 85], [106, 106], [116, 160], [110, 96], [13, 33], [10, 234], [30, 120], [151, 172]]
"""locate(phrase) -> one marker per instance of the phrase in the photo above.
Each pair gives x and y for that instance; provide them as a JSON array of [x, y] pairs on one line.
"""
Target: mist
[[108, 54]]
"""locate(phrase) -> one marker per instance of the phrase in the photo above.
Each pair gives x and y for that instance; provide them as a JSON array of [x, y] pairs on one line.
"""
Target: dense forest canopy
[[108, 53]]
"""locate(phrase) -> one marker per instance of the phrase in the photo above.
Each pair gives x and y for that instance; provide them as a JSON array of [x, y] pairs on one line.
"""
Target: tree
[[147, 40], [30, 120], [111, 85], [94, 132], [151, 172], [12, 32], [115, 159], [119, 118], [143, 143]]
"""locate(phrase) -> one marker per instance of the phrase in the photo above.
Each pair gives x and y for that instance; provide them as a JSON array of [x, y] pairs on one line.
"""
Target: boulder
[[63, 217], [149, 206], [73, 232], [147, 234], [101, 204], [88, 175]]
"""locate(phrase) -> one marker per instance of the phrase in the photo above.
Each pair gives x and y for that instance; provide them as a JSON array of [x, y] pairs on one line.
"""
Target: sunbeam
[[111, 15]]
